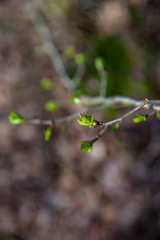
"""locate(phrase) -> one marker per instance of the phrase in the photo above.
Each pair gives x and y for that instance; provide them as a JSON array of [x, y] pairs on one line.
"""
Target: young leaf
[[47, 134], [115, 127], [15, 118], [51, 106], [76, 100], [158, 115], [99, 63], [86, 146], [46, 84], [140, 118], [85, 120], [80, 58]]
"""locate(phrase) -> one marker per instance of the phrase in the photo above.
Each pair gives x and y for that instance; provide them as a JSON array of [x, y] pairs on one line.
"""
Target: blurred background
[[52, 190]]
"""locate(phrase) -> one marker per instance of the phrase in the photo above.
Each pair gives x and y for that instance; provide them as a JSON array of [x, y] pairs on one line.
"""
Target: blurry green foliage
[[140, 118], [99, 63], [117, 62], [15, 118], [47, 134], [46, 83], [158, 115], [76, 100], [86, 146], [115, 127], [80, 58], [76, 97], [70, 51], [51, 106]]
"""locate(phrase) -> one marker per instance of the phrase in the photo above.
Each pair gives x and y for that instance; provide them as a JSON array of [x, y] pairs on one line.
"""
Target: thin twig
[[79, 74], [50, 47], [105, 102], [69, 117], [99, 134], [57, 120], [120, 120]]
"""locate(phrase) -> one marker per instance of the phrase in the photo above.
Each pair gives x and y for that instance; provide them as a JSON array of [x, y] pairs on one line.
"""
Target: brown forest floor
[[52, 190]]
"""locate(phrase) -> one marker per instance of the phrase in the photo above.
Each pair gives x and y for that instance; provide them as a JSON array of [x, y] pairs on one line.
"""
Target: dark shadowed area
[[52, 190]]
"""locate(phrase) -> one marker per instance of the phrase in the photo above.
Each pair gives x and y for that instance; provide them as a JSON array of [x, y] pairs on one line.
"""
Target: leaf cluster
[[16, 118], [86, 120]]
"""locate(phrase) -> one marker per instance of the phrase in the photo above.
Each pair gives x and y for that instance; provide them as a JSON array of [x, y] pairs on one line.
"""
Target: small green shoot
[[80, 58], [158, 115], [15, 118], [76, 100], [86, 120], [51, 106], [46, 84], [47, 134], [115, 127], [99, 63], [76, 97], [86, 146], [140, 118]]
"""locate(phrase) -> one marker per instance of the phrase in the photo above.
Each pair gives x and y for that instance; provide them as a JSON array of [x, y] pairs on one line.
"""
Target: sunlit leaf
[[15, 118], [86, 146], [47, 134], [115, 127], [85, 120], [80, 58], [51, 106], [46, 84], [140, 118]]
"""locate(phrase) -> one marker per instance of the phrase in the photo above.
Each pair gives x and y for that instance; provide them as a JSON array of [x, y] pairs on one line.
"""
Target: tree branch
[[50, 47], [105, 102]]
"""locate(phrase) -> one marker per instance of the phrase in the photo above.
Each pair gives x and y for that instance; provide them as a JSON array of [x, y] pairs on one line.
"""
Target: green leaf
[[85, 120], [47, 134], [51, 106], [76, 100], [158, 115], [115, 127], [80, 59], [86, 146], [15, 118], [140, 118], [70, 51], [99, 63], [46, 84]]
